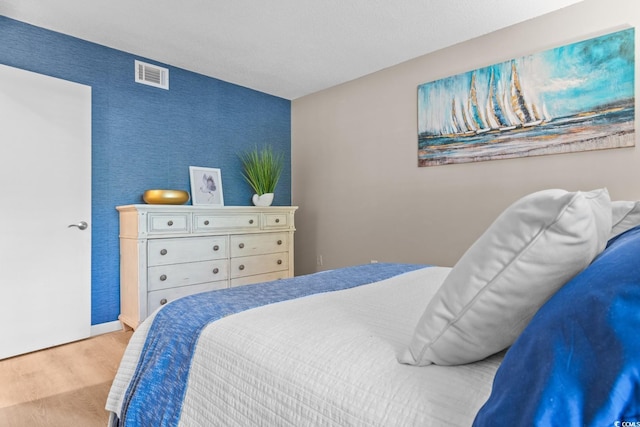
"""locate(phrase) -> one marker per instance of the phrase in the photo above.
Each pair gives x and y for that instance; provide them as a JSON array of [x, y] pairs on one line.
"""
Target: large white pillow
[[533, 248], [625, 215]]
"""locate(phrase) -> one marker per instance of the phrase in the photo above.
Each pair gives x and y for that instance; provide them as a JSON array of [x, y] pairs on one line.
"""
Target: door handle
[[81, 225]]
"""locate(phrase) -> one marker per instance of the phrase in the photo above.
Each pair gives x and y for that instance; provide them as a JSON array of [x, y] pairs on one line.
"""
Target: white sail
[[495, 99]]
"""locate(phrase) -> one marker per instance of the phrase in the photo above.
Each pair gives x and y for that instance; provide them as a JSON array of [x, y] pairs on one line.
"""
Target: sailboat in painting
[[527, 112], [497, 113], [505, 107], [476, 111]]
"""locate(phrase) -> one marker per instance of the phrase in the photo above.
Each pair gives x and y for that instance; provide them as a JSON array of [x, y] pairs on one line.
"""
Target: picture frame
[[206, 186]]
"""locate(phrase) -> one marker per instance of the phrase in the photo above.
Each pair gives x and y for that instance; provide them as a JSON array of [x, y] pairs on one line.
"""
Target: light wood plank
[[61, 386]]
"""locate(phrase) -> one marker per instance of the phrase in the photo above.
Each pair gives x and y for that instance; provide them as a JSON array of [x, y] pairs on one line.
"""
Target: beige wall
[[354, 167]]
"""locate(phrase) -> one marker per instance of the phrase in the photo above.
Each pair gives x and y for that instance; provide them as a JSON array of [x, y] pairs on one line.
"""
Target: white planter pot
[[265, 200]]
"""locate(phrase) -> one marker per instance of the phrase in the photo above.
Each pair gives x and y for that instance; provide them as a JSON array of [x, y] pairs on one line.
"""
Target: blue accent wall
[[145, 137]]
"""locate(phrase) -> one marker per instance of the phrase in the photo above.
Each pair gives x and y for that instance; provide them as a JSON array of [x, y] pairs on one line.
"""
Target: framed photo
[[206, 186]]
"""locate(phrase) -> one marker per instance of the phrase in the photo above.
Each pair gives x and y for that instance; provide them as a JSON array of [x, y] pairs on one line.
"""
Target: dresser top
[[191, 208]]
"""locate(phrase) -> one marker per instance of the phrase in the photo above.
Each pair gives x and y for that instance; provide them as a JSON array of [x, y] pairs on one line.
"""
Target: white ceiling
[[287, 48]]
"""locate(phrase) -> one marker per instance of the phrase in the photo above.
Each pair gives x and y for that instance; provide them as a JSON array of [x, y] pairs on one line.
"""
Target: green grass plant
[[262, 169]]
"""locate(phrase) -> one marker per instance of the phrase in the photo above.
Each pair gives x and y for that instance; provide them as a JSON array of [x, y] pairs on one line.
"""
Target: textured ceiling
[[287, 48]]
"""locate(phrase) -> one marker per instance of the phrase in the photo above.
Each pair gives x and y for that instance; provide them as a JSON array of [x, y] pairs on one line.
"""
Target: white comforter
[[327, 359]]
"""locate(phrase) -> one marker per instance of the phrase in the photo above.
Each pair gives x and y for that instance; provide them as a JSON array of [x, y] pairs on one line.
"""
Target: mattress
[[323, 359]]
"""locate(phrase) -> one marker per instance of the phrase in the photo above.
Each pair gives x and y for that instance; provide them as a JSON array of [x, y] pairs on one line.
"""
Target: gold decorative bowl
[[165, 197]]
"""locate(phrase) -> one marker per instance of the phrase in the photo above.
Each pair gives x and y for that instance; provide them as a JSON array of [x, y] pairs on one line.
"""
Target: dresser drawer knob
[[163, 252], [206, 222], [241, 267], [279, 262], [250, 221], [163, 301], [277, 220], [216, 248], [163, 277], [241, 245], [279, 242], [170, 223], [216, 270]]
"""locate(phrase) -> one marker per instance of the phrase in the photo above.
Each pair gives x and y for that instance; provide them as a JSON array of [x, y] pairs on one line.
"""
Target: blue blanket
[[155, 393], [578, 362]]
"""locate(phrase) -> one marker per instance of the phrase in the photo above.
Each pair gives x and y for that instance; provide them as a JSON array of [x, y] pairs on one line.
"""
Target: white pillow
[[625, 215], [533, 248]]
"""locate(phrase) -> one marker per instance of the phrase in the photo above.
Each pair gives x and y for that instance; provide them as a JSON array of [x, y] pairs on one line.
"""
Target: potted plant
[[262, 169]]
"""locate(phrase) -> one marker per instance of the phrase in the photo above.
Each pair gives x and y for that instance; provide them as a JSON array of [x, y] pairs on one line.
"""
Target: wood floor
[[61, 386]]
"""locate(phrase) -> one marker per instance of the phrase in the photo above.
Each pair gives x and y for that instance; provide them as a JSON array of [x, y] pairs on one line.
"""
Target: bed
[[536, 324]]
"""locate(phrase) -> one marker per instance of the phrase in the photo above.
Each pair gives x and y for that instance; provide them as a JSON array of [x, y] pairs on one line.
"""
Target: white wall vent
[[152, 75]]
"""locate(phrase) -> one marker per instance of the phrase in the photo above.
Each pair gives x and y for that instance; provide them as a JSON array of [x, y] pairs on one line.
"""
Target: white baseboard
[[105, 328]]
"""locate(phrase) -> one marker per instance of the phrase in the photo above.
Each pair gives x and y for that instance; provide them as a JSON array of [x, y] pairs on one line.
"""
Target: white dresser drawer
[[157, 298], [251, 280], [167, 223], [167, 276], [208, 222], [276, 220], [259, 264], [172, 251], [256, 244]]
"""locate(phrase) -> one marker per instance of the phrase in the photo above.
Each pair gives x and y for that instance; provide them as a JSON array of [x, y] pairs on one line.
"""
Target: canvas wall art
[[572, 98]]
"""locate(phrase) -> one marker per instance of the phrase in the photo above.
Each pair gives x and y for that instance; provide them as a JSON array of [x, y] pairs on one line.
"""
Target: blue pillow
[[577, 363]]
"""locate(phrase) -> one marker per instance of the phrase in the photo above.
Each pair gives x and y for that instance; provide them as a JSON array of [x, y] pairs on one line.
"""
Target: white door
[[45, 186]]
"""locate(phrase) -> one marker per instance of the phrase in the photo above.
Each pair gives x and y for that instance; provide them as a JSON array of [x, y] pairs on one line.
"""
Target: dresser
[[169, 251]]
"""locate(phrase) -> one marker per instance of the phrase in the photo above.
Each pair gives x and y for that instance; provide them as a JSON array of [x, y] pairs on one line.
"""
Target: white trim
[[104, 328]]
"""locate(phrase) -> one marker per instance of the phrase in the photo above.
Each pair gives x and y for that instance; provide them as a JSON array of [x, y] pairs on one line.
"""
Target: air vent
[[152, 75]]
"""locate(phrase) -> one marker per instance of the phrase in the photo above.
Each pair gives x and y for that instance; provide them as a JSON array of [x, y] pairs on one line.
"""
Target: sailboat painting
[[572, 98]]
